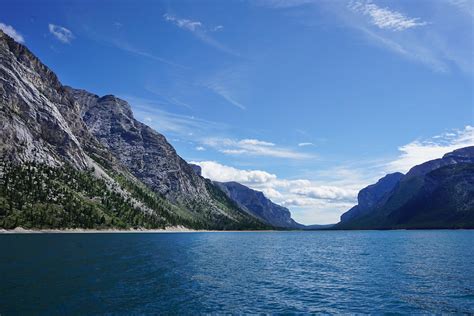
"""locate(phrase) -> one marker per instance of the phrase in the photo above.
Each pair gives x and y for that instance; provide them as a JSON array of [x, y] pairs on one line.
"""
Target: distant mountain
[[318, 226], [369, 197], [150, 158], [255, 203], [436, 194], [130, 175]]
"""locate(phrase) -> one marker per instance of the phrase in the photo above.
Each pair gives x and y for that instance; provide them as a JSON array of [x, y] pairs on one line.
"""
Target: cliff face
[[44, 121], [371, 195], [38, 119], [255, 203], [151, 159], [436, 194], [144, 151]]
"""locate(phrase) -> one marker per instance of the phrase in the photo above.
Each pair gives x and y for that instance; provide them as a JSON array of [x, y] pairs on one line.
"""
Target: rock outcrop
[[46, 122], [255, 203], [436, 194]]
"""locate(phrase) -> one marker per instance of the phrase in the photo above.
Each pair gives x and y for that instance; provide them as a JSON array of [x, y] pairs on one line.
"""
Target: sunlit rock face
[[42, 120]]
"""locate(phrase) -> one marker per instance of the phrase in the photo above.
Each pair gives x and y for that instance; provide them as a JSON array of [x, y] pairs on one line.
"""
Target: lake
[[251, 272]]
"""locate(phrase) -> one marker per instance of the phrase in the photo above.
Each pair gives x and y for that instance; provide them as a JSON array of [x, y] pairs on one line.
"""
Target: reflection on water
[[333, 272]]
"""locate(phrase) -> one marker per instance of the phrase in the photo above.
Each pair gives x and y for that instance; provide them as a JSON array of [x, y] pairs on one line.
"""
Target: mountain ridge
[[46, 123], [257, 204], [435, 194]]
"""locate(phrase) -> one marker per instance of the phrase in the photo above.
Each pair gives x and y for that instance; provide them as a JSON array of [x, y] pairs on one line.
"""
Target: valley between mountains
[[73, 159]]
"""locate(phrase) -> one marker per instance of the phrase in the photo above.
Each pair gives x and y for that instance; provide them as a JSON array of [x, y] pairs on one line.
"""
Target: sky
[[308, 101]]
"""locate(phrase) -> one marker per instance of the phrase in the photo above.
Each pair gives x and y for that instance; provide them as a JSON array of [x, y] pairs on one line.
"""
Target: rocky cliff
[[255, 203], [150, 158], [436, 194], [49, 124], [371, 195]]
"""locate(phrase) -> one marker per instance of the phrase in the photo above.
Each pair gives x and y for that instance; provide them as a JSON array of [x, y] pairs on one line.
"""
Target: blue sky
[[308, 101]]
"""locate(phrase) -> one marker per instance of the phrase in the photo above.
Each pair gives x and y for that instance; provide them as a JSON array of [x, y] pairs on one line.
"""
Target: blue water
[[275, 272]]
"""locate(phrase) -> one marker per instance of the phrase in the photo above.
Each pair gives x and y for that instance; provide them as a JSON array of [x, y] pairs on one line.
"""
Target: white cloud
[[218, 172], [200, 148], [305, 144], [183, 23], [439, 44], [61, 33], [10, 31], [253, 147], [417, 152], [255, 142], [384, 18], [326, 192], [319, 203], [200, 31]]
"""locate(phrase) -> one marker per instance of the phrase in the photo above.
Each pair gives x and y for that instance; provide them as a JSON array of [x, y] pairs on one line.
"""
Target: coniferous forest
[[34, 195]]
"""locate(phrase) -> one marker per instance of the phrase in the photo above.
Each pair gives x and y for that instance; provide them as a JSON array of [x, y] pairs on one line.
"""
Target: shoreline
[[180, 229], [21, 230], [167, 230]]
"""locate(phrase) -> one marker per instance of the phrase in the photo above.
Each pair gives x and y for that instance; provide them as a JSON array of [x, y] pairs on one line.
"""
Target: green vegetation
[[37, 196], [34, 195]]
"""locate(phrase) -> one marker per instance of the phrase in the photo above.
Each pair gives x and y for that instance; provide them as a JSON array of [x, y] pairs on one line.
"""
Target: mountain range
[[71, 158], [435, 194]]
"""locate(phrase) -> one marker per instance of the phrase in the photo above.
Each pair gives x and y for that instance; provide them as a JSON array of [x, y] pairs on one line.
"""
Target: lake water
[[273, 272]]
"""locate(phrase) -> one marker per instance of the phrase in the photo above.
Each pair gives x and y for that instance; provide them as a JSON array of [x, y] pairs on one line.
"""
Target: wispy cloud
[[127, 47], [223, 92], [282, 4], [217, 28], [253, 147], [305, 144], [190, 25], [384, 18], [201, 32], [10, 31], [431, 43], [152, 113], [438, 40], [465, 6], [61, 33], [419, 151], [229, 84]]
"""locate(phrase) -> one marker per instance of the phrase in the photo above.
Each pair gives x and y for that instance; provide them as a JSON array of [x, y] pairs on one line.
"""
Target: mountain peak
[[46, 122], [434, 194]]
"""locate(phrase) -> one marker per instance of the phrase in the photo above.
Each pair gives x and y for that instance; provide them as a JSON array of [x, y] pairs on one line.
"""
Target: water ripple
[[285, 272]]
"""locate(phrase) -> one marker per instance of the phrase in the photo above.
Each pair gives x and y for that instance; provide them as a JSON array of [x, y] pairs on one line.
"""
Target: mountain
[[150, 158], [371, 195], [128, 172], [255, 203], [436, 194], [318, 227]]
